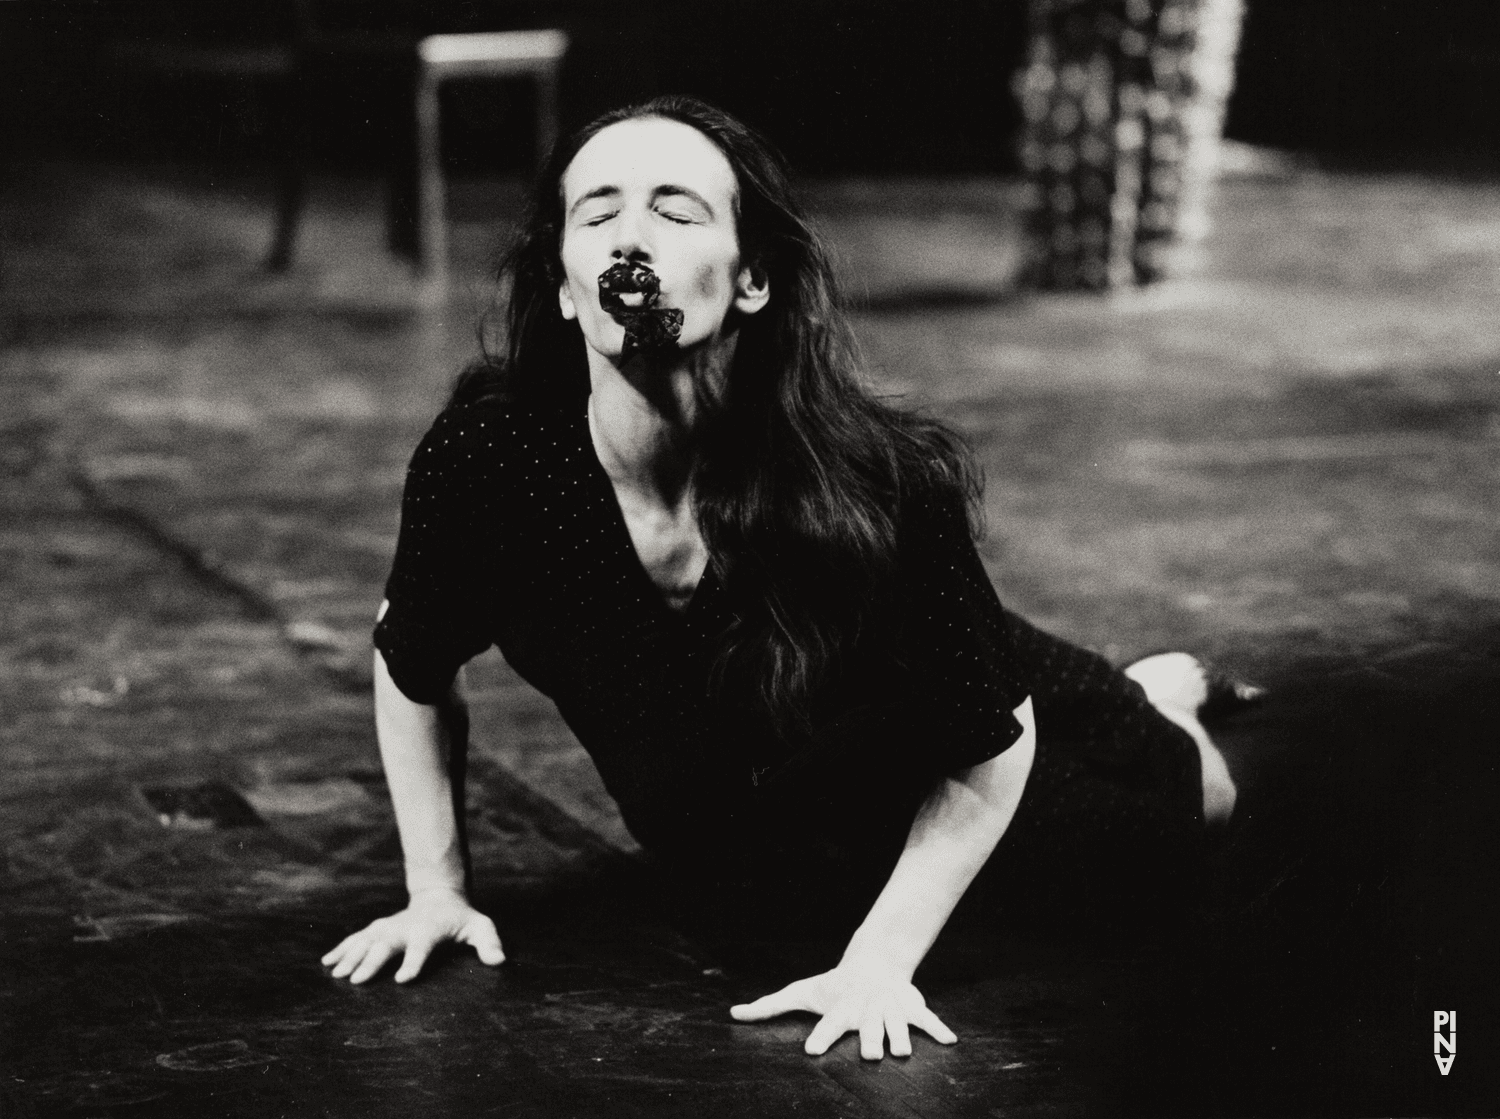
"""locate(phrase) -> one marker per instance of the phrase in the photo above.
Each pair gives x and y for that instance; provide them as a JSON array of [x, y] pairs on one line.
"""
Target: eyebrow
[[597, 192], [670, 191], [665, 191]]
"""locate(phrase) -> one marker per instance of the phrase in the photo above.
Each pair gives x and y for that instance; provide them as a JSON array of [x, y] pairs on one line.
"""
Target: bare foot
[[1176, 680], [1176, 684]]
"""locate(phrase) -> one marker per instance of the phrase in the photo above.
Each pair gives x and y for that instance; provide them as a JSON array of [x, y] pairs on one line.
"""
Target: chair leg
[[401, 202], [432, 219], [292, 196], [547, 114]]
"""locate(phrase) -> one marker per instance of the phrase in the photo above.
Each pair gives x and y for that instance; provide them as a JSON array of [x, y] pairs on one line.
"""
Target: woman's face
[[654, 192]]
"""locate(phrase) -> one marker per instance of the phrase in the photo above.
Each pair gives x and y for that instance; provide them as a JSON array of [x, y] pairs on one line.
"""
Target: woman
[[750, 587]]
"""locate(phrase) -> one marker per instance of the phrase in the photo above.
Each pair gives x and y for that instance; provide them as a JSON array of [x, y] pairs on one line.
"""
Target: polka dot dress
[[511, 535]]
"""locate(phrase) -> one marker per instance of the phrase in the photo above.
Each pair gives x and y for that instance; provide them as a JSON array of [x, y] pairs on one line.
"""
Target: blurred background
[[1240, 396], [831, 81]]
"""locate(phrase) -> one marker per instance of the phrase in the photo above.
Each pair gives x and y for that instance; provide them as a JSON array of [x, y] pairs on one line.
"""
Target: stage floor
[[1288, 462]]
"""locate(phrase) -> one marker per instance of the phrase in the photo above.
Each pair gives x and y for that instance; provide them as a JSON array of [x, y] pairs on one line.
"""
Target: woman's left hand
[[878, 1003]]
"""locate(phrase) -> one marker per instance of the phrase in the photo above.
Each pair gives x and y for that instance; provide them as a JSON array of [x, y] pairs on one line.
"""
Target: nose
[[632, 242]]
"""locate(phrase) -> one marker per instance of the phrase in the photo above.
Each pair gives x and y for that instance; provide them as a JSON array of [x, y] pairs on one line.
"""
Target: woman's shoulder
[[938, 511], [495, 436]]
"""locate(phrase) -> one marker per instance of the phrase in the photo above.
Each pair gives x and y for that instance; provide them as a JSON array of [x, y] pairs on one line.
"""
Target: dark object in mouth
[[654, 330], [647, 327], [622, 279]]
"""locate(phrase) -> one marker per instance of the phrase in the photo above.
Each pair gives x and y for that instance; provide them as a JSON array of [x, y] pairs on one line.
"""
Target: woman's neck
[[644, 421]]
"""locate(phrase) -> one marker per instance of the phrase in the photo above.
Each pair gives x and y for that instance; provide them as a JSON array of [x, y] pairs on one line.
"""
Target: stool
[[499, 54]]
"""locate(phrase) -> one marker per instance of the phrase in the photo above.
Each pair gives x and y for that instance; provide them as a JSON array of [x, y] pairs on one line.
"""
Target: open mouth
[[629, 293]]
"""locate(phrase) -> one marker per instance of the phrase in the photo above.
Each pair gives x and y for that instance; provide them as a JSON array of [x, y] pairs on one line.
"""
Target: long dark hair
[[802, 473]]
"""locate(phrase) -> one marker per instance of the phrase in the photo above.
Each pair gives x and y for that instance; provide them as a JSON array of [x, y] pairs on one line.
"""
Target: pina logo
[[1441, 1018]]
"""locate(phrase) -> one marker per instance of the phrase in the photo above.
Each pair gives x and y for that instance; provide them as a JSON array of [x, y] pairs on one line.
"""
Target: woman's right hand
[[430, 917]]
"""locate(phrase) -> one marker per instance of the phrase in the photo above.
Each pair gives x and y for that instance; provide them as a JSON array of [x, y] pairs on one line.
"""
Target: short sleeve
[[956, 646], [438, 595]]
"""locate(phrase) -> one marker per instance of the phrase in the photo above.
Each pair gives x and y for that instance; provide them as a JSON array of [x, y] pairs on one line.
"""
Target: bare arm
[[421, 748], [954, 832], [418, 743]]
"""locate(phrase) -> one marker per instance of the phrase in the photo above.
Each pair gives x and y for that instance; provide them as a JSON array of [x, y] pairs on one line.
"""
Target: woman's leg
[[1116, 717], [1177, 686]]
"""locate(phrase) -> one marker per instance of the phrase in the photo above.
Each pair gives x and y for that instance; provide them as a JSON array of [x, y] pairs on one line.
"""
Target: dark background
[[1289, 466], [901, 86]]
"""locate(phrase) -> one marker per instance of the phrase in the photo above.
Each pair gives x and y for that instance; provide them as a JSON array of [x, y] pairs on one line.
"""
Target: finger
[[900, 1035], [374, 960], [480, 934], [872, 1036], [337, 950], [345, 946], [929, 1022], [411, 963], [350, 958], [828, 1030], [794, 996]]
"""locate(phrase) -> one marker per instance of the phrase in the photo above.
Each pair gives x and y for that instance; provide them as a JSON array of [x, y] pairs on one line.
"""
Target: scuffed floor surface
[[1288, 463]]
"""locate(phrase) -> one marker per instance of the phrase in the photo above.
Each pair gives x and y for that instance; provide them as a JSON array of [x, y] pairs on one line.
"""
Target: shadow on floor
[[1348, 901]]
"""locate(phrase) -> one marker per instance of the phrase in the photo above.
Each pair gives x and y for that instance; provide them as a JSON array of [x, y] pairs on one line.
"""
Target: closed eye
[[677, 218], [600, 219]]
